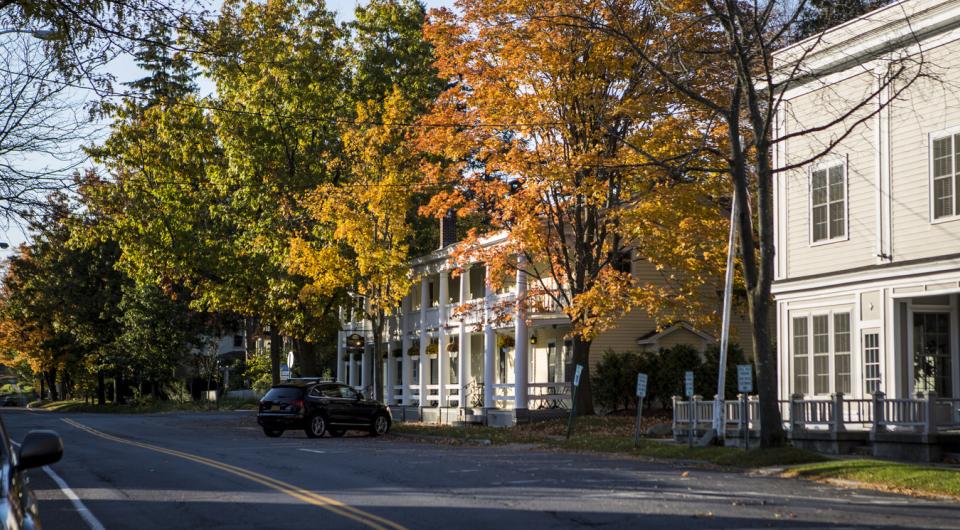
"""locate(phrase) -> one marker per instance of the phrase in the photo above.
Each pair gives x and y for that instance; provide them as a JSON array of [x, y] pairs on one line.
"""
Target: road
[[218, 471]]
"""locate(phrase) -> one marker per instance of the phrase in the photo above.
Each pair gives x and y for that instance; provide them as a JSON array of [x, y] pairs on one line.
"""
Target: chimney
[[448, 229]]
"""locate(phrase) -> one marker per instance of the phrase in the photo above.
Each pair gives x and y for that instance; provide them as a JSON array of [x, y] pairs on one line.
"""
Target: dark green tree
[[820, 15]]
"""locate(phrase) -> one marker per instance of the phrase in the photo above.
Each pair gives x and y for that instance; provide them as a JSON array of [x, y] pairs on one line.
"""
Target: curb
[[435, 438]]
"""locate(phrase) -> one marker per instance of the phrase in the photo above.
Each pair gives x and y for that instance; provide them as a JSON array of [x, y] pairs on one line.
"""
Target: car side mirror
[[39, 448], [359, 396]]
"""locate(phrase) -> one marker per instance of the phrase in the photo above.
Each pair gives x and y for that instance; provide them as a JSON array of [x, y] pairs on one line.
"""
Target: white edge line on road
[[82, 509]]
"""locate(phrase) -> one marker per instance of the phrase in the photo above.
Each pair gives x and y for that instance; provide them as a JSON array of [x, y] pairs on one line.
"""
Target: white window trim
[[881, 376], [931, 137], [832, 350], [827, 163]]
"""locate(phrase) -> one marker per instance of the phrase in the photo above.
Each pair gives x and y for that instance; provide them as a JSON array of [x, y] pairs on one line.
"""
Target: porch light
[[533, 339]]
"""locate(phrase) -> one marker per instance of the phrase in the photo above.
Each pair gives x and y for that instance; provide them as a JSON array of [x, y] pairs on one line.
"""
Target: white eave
[[655, 338], [868, 36]]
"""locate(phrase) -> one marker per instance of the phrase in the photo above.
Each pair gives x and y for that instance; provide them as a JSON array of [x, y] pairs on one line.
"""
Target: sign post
[[688, 390], [573, 406], [744, 386], [641, 393]]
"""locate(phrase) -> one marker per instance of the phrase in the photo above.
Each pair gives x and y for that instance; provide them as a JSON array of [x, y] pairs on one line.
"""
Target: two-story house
[[455, 349], [867, 282]]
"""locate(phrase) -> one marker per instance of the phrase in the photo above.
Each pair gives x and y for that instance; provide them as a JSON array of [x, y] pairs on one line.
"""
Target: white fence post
[[879, 421], [930, 412], [836, 420], [796, 412]]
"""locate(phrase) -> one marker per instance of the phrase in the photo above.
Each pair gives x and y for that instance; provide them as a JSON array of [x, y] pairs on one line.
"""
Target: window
[[801, 358], [841, 352], [828, 203], [552, 364], [826, 338], [946, 176], [871, 363], [347, 392], [238, 341], [821, 354]]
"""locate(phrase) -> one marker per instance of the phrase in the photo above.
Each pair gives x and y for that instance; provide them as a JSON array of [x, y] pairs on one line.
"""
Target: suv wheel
[[380, 425], [316, 426], [272, 433]]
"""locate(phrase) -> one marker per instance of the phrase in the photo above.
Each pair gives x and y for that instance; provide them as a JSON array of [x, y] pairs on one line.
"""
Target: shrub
[[613, 381]]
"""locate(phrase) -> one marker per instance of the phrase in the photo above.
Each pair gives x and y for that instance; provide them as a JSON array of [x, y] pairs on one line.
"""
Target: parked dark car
[[321, 407], [18, 506]]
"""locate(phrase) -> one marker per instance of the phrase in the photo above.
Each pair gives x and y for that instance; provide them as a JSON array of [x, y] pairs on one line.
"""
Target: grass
[[612, 434], [890, 476], [143, 407]]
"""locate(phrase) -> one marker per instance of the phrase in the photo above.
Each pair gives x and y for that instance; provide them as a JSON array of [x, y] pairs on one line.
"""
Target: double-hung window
[[822, 353], [945, 176], [828, 203]]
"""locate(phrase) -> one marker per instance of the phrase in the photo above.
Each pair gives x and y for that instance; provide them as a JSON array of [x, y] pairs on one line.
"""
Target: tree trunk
[[101, 388], [51, 376], [42, 386], [276, 347], [771, 426], [306, 352], [581, 356], [378, 319]]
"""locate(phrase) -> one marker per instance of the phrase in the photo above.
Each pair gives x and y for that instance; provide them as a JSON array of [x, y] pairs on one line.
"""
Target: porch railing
[[924, 413]]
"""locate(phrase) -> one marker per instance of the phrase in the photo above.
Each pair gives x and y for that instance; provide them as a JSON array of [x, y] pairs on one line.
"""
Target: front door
[[932, 369]]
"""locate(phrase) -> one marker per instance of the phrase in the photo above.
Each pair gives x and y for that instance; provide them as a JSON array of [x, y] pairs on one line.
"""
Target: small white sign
[[745, 378], [576, 375], [641, 385], [688, 383], [284, 371]]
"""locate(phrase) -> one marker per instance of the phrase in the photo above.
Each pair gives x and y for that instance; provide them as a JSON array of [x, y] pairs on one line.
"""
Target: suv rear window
[[282, 393]]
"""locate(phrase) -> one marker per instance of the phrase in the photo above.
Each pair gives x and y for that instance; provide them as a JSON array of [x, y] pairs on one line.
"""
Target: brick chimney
[[448, 229]]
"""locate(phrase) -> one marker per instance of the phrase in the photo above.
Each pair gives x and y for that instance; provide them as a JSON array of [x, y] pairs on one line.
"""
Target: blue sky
[[124, 69]]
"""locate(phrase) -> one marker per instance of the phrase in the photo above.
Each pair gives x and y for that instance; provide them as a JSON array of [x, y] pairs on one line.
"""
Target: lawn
[[890, 476], [610, 434]]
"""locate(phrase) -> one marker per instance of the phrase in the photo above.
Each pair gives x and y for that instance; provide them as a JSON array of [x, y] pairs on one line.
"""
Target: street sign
[[284, 371], [576, 375], [688, 384], [641, 385], [745, 378], [290, 358]]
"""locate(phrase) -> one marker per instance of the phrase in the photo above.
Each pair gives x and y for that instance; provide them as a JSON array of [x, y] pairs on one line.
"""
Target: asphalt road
[[217, 470]]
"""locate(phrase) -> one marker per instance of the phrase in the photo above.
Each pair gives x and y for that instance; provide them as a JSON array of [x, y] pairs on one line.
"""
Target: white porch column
[[352, 369], [341, 346], [489, 347], [405, 328], [366, 367], [463, 355], [521, 340], [443, 356], [388, 372], [424, 338]]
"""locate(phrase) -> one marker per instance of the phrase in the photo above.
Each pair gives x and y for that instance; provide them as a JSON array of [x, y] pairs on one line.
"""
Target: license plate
[[275, 407]]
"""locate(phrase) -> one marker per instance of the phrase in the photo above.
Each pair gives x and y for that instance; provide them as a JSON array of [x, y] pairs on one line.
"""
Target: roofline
[[869, 35]]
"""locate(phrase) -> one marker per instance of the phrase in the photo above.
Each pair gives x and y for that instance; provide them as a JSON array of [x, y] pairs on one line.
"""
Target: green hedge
[[614, 379]]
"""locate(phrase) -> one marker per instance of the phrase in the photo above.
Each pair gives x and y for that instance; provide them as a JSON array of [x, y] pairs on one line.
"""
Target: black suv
[[318, 407]]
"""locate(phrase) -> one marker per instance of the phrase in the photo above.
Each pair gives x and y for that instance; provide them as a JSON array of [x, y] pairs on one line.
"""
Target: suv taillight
[[297, 403]]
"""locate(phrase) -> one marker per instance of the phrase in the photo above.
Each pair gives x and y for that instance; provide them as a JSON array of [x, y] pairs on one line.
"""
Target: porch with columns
[[441, 351]]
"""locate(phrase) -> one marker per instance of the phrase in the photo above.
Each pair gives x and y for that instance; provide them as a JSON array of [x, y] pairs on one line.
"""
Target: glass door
[[931, 353]]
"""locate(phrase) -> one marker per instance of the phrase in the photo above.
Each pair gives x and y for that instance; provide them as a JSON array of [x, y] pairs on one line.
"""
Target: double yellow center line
[[364, 518]]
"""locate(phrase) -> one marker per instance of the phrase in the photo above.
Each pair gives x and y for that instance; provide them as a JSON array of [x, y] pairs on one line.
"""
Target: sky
[[124, 69]]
